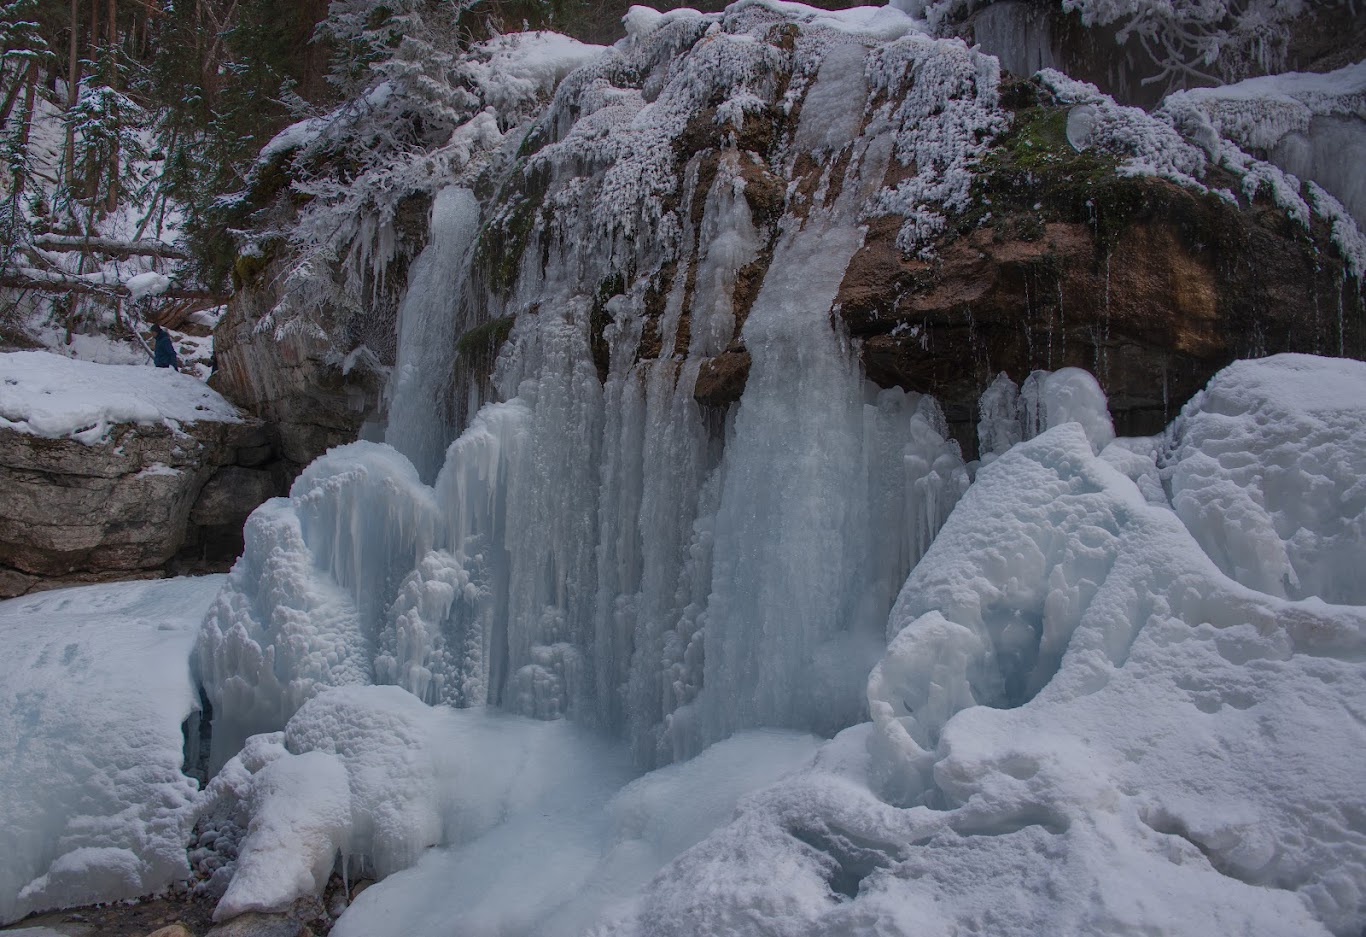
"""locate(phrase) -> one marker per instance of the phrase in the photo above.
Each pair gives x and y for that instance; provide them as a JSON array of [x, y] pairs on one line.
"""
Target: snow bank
[[49, 395], [1080, 726], [1290, 521], [93, 691]]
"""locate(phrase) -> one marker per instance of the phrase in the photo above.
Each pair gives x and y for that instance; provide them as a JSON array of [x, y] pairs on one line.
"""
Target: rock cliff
[[145, 501]]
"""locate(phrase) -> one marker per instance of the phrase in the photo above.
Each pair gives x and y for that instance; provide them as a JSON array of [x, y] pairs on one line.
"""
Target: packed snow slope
[[93, 691]]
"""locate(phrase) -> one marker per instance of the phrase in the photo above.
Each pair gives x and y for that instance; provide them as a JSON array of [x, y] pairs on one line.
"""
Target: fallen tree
[[112, 247]]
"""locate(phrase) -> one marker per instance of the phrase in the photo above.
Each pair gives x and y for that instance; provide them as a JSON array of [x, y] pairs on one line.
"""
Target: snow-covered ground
[[53, 396], [94, 686]]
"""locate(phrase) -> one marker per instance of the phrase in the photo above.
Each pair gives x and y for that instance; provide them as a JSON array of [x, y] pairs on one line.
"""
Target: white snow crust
[[53, 396], [93, 691]]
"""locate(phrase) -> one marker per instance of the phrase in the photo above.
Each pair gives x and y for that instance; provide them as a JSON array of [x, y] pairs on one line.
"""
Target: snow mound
[[93, 692], [1267, 467], [1080, 726], [52, 396], [515, 68]]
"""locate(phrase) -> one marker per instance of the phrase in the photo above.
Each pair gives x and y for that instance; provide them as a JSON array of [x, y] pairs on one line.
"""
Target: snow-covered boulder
[[1267, 467], [110, 471]]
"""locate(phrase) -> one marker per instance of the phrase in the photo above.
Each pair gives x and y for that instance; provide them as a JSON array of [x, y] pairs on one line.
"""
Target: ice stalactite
[[1010, 414]]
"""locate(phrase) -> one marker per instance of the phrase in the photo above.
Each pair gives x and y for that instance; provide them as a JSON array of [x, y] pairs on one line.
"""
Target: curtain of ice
[[602, 546]]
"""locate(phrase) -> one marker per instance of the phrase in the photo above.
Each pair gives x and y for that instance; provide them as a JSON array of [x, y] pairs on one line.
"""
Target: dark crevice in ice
[[197, 730], [852, 857]]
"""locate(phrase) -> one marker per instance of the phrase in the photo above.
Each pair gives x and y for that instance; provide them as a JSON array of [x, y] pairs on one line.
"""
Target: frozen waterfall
[[422, 399], [604, 546], [579, 568]]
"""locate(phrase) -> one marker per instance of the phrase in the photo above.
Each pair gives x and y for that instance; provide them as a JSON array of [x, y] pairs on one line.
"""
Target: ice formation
[[1077, 696], [1009, 414], [605, 548], [421, 399], [1079, 725], [598, 545]]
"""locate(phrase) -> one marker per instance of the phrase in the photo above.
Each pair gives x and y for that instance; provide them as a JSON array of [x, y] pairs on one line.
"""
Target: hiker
[[164, 349]]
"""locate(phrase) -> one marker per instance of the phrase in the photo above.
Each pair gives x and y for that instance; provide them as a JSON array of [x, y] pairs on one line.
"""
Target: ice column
[[420, 416], [789, 553]]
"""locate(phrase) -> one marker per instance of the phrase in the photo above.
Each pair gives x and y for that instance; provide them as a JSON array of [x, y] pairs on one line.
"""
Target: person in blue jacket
[[163, 354]]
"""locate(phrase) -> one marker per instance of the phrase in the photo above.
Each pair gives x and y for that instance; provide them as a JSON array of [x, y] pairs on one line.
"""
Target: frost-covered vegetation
[[1205, 41]]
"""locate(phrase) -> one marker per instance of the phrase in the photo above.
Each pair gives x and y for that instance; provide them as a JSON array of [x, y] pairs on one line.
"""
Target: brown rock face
[[1153, 310], [721, 380], [315, 380], [145, 502], [298, 382]]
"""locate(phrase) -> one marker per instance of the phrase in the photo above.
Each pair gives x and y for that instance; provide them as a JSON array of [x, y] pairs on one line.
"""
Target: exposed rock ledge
[[145, 502]]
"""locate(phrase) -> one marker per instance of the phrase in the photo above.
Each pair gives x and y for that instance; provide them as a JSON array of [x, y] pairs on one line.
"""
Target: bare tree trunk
[[112, 200], [95, 30], [92, 169], [11, 96], [73, 79], [25, 129]]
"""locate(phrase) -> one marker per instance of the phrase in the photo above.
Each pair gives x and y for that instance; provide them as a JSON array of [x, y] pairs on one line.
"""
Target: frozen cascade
[[445, 658], [603, 546], [781, 633], [420, 417], [1019, 34]]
